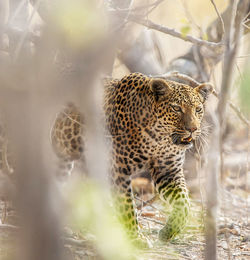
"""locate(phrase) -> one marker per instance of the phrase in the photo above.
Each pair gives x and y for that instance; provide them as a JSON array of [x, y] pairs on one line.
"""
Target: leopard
[[152, 122]]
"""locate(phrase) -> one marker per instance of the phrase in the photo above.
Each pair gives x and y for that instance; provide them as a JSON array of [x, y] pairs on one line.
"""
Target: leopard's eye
[[176, 108], [198, 109]]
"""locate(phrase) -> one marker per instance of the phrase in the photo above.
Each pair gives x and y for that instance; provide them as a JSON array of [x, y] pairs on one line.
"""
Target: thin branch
[[237, 66], [221, 20], [175, 74], [26, 32], [243, 56], [190, 17], [75, 242], [236, 110], [246, 18], [150, 204], [8, 227], [156, 4], [17, 11], [146, 203], [17, 33], [173, 32], [154, 220], [247, 168], [139, 8], [198, 61], [246, 21], [198, 172], [245, 24]]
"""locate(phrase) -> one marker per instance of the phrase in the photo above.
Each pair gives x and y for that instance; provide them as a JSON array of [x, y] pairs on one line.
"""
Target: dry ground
[[233, 232]]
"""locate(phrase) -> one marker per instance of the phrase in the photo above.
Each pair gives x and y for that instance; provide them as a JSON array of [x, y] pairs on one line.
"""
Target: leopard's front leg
[[170, 184]]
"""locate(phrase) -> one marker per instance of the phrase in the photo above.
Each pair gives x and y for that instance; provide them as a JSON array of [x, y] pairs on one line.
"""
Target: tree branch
[[173, 32], [220, 18], [236, 110], [216, 146]]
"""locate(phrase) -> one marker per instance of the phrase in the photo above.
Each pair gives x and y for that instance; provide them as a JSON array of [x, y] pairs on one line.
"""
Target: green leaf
[[205, 37], [185, 30]]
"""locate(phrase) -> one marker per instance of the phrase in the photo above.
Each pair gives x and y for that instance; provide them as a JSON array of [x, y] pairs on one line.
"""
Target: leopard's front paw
[[140, 243], [167, 233]]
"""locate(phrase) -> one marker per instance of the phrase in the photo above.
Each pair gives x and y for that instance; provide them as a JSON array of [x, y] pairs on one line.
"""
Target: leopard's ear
[[204, 90], [160, 88]]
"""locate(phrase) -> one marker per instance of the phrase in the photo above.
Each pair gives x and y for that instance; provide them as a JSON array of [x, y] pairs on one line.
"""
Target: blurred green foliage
[[244, 92], [80, 22], [186, 28], [92, 212]]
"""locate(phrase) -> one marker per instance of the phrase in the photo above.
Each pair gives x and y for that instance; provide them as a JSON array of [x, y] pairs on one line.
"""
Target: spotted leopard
[[152, 123]]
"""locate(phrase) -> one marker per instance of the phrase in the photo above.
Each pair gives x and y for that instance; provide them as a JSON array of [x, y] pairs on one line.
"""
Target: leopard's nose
[[191, 129]]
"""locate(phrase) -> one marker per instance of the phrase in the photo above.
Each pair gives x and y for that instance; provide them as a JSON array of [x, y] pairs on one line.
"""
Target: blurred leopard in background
[[152, 122]]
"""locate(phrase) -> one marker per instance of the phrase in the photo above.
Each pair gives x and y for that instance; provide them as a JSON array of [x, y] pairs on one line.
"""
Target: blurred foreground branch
[[232, 37], [34, 86]]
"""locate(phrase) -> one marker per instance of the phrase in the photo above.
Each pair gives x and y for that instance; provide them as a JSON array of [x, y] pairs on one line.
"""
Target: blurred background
[[55, 52]]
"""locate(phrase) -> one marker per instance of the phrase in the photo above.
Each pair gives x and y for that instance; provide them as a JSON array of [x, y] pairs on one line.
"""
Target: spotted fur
[[152, 123]]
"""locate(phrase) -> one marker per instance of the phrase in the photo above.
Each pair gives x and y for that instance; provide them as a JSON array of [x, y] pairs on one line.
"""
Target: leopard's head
[[180, 109]]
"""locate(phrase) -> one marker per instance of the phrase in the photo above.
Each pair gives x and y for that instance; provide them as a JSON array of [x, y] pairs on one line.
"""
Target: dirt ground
[[233, 232]]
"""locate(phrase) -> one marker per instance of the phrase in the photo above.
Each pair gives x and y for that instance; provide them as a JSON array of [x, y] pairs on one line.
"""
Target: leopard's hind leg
[[68, 140]]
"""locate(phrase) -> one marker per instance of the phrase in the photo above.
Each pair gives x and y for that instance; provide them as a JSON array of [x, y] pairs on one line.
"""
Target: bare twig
[[190, 17], [154, 5], [238, 113], [26, 32], [236, 110], [150, 204], [229, 254], [199, 60], [140, 8], [175, 74], [220, 17], [17, 11], [146, 203], [8, 227], [75, 242], [4, 14], [238, 68], [173, 32], [4, 213], [246, 21], [154, 220], [247, 168], [246, 18], [243, 56], [17, 33], [198, 172]]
